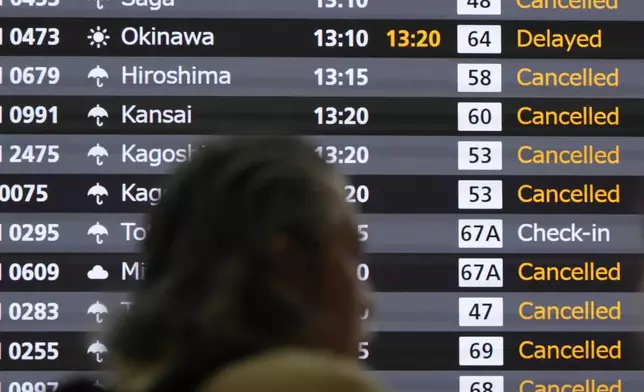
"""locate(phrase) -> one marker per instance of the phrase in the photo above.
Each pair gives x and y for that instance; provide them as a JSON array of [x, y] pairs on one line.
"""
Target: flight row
[[331, 9], [387, 312], [319, 77], [311, 115], [354, 155], [381, 233], [403, 381], [469, 275], [318, 38], [409, 351], [375, 194]]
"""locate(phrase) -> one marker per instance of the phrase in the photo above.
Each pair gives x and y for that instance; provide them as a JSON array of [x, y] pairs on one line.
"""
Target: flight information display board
[[492, 146]]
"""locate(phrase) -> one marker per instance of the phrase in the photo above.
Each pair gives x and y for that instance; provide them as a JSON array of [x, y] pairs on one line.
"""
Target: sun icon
[[98, 37]]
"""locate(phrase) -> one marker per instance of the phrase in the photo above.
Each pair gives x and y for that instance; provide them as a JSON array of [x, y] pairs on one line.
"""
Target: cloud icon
[[97, 273]]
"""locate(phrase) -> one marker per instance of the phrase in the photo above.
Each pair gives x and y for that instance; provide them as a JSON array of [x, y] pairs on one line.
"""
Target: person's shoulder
[[294, 370]]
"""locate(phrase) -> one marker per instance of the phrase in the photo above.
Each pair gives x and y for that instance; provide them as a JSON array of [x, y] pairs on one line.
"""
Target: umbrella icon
[[98, 152], [97, 349], [98, 191], [98, 112], [98, 73], [99, 310], [98, 230], [99, 4]]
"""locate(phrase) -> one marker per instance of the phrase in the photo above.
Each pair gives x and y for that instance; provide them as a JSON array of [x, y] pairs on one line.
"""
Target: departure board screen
[[494, 148]]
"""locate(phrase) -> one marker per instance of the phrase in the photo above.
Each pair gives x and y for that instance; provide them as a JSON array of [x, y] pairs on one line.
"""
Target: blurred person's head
[[252, 247]]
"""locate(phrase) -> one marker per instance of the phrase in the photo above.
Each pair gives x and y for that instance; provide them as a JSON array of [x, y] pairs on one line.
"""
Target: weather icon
[[97, 273], [98, 231], [98, 310], [98, 37], [98, 113], [98, 152], [98, 74], [98, 349], [99, 4], [98, 191]]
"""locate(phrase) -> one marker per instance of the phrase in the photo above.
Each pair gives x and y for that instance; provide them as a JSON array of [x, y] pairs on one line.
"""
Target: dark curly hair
[[212, 292]]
